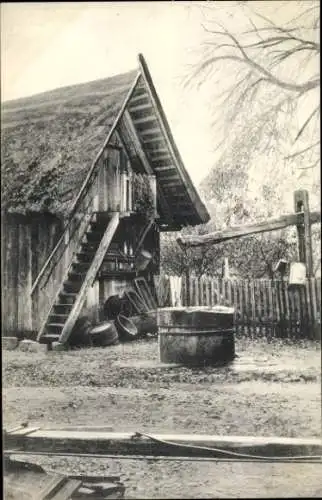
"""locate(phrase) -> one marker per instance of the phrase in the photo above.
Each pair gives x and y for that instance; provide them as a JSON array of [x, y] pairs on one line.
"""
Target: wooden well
[[196, 335]]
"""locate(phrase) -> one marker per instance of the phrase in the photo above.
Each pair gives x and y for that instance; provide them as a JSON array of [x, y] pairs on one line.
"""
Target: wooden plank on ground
[[67, 490], [54, 483], [129, 443]]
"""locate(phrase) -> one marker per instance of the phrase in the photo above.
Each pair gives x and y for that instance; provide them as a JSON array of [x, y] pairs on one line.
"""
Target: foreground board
[[105, 442]]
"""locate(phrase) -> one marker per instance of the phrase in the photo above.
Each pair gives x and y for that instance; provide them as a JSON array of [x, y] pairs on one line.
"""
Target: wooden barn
[[90, 176]]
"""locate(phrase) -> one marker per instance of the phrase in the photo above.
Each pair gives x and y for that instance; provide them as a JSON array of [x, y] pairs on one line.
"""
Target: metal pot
[[142, 260]]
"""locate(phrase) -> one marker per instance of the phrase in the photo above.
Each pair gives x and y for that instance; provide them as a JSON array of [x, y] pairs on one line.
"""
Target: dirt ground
[[271, 389]]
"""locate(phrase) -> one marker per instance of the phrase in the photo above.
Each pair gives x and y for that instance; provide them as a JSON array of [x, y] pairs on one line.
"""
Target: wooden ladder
[[80, 277]]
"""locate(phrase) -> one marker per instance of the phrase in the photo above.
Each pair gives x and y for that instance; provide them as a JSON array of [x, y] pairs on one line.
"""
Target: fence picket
[[318, 294], [212, 299], [258, 303], [308, 300], [313, 296]]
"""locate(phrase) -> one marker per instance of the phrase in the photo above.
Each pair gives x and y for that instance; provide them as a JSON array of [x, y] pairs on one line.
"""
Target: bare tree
[[275, 73]]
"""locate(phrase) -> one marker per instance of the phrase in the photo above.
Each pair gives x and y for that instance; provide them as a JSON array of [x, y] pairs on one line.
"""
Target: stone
[[9, 343], [31, 346], [57, 346]]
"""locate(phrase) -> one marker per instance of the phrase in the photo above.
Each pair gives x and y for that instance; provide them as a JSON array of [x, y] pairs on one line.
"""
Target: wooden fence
[[268, 307]]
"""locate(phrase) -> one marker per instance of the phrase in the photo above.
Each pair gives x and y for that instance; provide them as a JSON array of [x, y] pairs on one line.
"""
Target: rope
[[228, 452]]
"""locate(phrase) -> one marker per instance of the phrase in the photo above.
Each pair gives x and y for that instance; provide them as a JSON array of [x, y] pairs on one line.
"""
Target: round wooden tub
[[196, 335]]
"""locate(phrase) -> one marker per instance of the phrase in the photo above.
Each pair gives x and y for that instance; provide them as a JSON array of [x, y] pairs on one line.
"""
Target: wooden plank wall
[[26, 243], [9, 274], [46, 232], [261, 305]]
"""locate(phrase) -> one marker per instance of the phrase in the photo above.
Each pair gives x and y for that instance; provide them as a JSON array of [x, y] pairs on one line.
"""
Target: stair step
[[79, 272], [99, 226], [80, 267], [94, 236], [72, 286], [76, 275], [49, 338], [52, 337], [68, 306], [67, 296], [90, 246], [57, 317], [83, 254], [55, 325]]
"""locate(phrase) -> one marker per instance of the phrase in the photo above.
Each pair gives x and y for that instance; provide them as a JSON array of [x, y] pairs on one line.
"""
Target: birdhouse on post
[[297, 274]]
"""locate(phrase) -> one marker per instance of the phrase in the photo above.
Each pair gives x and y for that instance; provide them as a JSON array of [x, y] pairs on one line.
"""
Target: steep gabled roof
[[50, 142]]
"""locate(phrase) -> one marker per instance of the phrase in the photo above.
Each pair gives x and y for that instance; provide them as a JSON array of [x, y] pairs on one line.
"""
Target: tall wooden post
[[301, 204]]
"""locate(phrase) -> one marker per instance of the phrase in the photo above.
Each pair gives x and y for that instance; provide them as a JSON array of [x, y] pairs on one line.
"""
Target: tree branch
[[313, 165], [298, 153], [245, 59], [305, 124]]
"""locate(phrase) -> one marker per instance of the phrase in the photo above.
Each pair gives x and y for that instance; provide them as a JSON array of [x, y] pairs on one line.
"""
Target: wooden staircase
[[78, 279]]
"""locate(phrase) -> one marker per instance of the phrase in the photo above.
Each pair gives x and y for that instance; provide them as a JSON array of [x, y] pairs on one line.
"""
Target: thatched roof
[[50, 141]]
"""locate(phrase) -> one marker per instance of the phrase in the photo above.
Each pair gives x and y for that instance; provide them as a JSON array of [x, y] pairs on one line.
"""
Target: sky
[[49, 45], [45, 46]]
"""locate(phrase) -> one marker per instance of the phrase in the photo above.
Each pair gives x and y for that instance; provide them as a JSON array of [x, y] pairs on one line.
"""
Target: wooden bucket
[[104, 334], [196, 335]]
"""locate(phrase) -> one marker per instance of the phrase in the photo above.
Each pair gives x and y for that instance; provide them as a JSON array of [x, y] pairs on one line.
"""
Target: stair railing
[[54, 271]]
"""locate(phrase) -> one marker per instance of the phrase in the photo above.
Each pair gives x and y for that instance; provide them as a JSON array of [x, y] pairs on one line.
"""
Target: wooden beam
[[154, 139], [145, 162], [301, 204], [198, 206], [139, 98], [146, 119], [160, 151], [142, 236], [239, 231], [140, 107], [158, 445], [162, 158], [150, 131], [165, 168], [139, 92], [167, 183]]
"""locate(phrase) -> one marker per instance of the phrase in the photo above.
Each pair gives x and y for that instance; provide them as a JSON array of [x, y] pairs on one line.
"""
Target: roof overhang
[[180, 203]]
